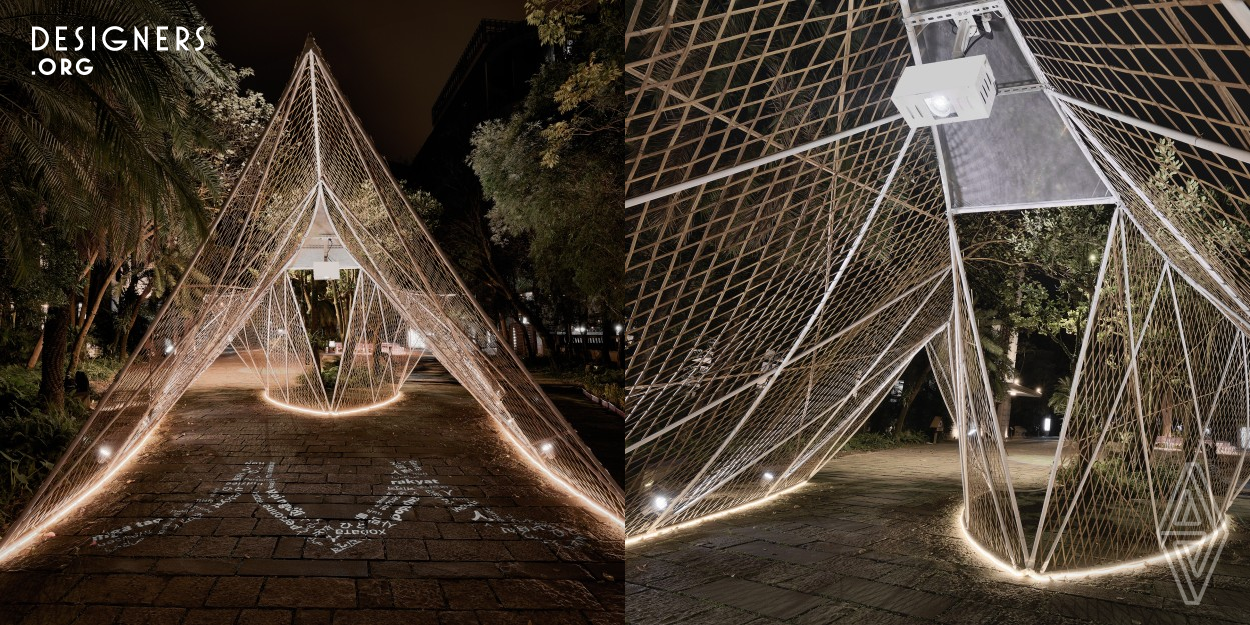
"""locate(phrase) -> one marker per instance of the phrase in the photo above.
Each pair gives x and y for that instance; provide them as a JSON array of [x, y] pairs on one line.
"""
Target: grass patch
[[606, 384]]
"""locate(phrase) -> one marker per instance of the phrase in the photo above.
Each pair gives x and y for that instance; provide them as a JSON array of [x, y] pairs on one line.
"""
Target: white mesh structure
[[379, 351], [313, 156], [795, 244], [274, 344]]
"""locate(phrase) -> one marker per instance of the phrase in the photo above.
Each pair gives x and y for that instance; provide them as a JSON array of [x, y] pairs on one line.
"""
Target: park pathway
[[872, 540], [238, 513]]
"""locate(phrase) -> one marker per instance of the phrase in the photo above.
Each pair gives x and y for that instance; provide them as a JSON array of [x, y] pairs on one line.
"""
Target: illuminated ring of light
[[717, 515], [330, 413], [1132, 565], [87, 494]]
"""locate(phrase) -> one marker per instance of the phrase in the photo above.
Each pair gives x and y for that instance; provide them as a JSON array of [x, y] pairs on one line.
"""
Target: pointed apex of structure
[[310, 44]]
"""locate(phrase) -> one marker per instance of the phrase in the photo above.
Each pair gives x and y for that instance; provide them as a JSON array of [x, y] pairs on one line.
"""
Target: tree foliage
[[109, 172], [1034, 271], [553, 169]]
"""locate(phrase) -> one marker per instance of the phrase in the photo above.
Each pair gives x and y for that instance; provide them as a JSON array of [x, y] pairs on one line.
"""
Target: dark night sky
[[391, 58]]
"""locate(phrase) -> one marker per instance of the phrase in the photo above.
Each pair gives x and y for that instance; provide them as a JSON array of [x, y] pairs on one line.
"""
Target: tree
[[552, 170], [236, 121], [1031, 272], [97, 164]]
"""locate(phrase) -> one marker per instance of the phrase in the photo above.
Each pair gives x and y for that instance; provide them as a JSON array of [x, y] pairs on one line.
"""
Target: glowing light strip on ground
[[528, 454], [20, 543], [711, 517], [1132, 565], [330, 413]]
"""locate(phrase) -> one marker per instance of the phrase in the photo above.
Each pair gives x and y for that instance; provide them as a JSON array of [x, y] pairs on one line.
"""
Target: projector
[[948, 91], [325, 271]]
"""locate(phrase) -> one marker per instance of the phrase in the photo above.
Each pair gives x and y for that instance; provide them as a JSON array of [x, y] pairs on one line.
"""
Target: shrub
[[30, 440], [100, 369], [30, 443], [606, 384], [18, 388], [875, 441]]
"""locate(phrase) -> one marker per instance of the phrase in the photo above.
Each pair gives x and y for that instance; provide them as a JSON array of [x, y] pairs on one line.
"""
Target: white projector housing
[[947, 91], [325, 271]]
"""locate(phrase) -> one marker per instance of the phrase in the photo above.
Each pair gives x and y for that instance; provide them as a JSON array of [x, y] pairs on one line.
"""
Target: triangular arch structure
[[313, 157], [796, 243]]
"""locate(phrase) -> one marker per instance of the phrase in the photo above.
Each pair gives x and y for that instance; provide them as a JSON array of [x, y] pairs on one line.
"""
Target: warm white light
[[619, 327], [105, 452], [939, 105], [1131, 565], [1039, 390], [1093, 258], [768, 476], [527, 453], [945, 92], [330, 413], [547, 448], [415, 340], [1046, 424], [525, 320], [660, 502], [169, 347], [17, 544], [711, 517]]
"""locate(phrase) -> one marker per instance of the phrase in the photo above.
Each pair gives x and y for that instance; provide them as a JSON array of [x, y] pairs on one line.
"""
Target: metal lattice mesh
[[274, 344], [767, 327], [766, 333], [1183, 65], [1163, 383], [379, 351], [717, 86], [313, 156]]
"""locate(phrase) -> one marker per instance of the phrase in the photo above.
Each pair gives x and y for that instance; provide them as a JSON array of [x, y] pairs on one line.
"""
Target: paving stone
[[237, 563], [151, 616], [210, 617], [118, 589], [308, 592], [773, 551], [417, 594], [468, 594], [185, 591], [384, 617], [265, 617], [303, 568], [872, 541], [196, 566], [234, 592], [755, 597]]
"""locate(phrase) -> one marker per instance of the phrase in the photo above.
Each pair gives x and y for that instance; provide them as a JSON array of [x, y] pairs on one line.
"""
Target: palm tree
[[96, 164]]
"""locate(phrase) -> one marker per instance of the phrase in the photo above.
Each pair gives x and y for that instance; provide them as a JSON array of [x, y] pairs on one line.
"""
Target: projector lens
[[940, 106]]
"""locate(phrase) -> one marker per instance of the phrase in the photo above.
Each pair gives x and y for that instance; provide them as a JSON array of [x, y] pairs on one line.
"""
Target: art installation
[[796, 202], [315, 166]]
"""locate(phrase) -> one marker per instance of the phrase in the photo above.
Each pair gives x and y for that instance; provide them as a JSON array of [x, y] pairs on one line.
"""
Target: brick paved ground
[[872, 540], [240, 514]]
